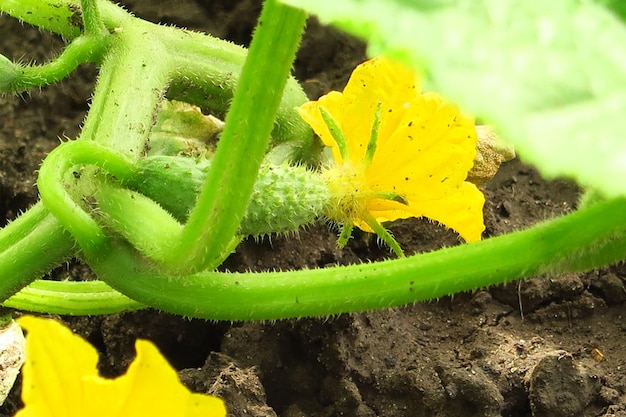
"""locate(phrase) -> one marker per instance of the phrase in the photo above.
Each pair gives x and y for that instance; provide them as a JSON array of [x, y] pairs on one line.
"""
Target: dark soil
[[529, 348]]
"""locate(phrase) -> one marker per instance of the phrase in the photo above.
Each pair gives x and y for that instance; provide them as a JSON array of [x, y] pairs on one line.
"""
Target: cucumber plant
[[194, 209]]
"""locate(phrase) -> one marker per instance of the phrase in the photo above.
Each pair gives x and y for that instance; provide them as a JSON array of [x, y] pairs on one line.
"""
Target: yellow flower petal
[[428, 155], [373, 82], [61, 379], [56, 363], [461, 211], [151, 387], [310, 112]]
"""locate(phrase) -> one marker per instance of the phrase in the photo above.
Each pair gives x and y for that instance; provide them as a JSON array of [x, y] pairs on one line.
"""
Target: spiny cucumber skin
[[284, 197]]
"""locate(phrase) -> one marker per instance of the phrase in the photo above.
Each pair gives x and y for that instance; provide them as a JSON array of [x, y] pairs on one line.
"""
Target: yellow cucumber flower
[[60, 379], [397, 153]]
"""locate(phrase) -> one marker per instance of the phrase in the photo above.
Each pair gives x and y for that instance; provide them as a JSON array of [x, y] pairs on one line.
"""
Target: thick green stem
[[203, 70], [206, 72], [55, 196], [92, 23], [562, 244], [131, 83], [581, 240], [57, 16], [223, 200], [18, 229], [62, 17], [31, 246]]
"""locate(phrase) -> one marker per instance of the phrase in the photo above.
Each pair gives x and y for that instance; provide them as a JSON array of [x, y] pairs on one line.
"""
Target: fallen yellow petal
[[57, 361], [61, 380]]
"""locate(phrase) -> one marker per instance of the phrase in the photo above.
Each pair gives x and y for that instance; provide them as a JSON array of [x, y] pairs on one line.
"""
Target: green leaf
[[550, 74], [616, 6]]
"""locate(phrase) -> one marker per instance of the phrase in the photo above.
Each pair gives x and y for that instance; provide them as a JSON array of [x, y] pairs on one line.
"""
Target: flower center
[[349, 192]]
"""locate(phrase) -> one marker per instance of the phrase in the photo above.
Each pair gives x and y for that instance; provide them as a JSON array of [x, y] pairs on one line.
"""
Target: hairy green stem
[[79, 298], [557, 245], [92, 23], [63, 17], [88, 47], [59, 16], [31, 246], [131, 83], [18, 229], [57, 199], [82, 49], [142, 222], [212, 70], [223, 199], [581, 240]]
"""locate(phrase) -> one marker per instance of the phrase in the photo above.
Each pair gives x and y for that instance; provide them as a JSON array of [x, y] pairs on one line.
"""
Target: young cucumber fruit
[[284, 197]]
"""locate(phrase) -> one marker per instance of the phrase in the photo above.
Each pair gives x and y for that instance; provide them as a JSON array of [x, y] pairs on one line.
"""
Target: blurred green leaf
[[616, 6], [550, 74]]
